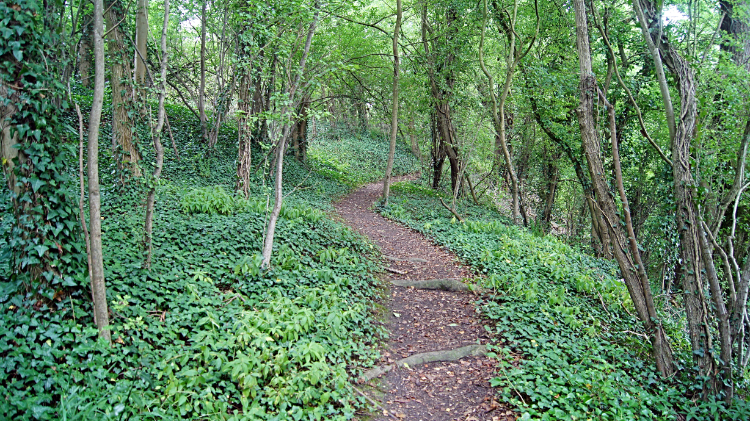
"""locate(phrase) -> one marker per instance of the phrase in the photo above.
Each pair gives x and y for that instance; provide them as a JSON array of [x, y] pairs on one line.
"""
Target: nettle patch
[[571, 348]]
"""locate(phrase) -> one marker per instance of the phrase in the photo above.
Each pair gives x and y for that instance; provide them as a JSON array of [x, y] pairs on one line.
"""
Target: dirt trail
[[422, 321]]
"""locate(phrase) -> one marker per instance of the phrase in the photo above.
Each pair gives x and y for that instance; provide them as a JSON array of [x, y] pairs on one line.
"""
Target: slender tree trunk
[[101, 313], [394, 107], [637, 285], [202, 87], [151, 199], [291, 90], [498, 105], [413, 140]]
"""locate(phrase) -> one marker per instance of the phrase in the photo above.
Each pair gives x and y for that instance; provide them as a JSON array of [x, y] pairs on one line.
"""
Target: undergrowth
[[357, 158], [205, 333], [571, 347]]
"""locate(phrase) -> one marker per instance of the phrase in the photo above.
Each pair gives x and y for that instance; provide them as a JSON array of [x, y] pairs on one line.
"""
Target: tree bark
[[101, 313], [84, 52], [686, 213], [122, 93], [8, 139], [394, 107], [141, 41]]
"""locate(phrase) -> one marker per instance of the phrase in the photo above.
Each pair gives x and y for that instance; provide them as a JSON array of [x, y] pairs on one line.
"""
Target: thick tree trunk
[[299, 132], [687, 216], [122, 93], [394, 107], [141, 40], [101, 313], [84, 52]]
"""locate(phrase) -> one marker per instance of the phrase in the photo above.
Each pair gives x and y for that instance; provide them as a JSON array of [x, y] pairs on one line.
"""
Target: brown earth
[[421, 321]]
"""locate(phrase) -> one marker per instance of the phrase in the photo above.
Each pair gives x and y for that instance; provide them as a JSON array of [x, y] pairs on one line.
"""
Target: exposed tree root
[[424, 358], [454, 285]]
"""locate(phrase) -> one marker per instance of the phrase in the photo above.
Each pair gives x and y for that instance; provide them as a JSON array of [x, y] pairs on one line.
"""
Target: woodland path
[[425, 320]]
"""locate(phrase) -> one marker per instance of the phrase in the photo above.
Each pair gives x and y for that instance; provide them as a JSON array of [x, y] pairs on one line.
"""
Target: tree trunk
[[9, 140], [394, 107], [291, 91], [202, 87], [638, 286], [141, 40], [84, 52], [101, 313], [552, 174], [687, 221], [150, 200], [122, 94]]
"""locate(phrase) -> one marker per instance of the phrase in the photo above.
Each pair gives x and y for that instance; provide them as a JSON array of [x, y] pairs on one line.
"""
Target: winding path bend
[[422, 321]]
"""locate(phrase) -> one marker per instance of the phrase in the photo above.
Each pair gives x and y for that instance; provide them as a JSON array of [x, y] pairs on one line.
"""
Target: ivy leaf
[[18, 54], [41, 249], [36, 184]]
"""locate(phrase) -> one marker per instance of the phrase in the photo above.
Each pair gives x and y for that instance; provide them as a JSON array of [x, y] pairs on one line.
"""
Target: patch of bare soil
[[424, 321]]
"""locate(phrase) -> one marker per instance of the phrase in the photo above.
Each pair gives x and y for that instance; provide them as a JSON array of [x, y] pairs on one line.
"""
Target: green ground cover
[[204, 334], [570, 346]]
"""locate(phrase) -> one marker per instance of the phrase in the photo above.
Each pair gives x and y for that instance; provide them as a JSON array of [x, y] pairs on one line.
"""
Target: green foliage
[[357, 158], [571, 347], [44, 247], [209, 200], [205, 332]]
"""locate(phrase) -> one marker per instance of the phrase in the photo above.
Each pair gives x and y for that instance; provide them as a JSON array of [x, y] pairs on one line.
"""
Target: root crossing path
[[421, 323]]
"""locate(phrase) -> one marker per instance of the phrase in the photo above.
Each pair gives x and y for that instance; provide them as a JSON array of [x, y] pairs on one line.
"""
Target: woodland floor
[[425, 320]]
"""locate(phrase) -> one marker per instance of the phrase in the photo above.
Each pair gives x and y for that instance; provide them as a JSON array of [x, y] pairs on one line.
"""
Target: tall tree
[[516, 52], [394, 106], [98, 288], [633, 273], [151, 198], [287, 107], [122, 92], [141, 41]]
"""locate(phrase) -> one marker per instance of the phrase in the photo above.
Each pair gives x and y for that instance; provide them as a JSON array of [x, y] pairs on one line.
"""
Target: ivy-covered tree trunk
[[122, 93], [158, 148], [681, 133], [8, 138], [299, 132], [45, 247]]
